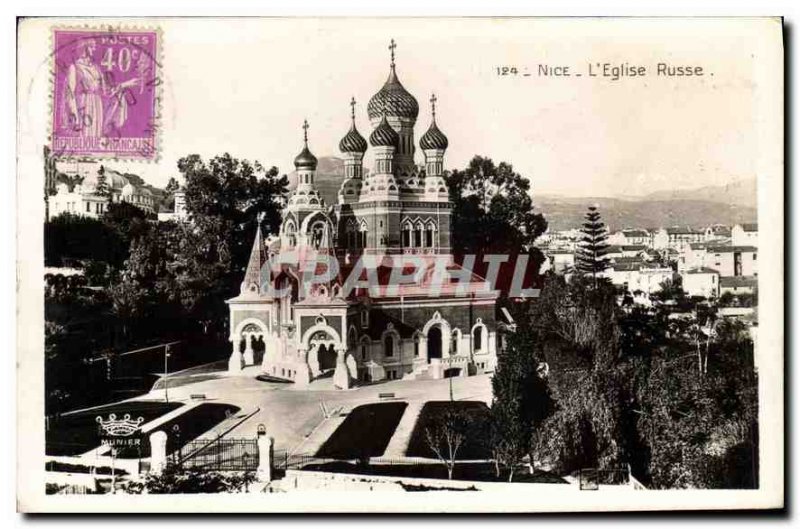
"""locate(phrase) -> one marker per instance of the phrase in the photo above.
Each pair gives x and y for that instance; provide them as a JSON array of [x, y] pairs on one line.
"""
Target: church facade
[[416, 315]]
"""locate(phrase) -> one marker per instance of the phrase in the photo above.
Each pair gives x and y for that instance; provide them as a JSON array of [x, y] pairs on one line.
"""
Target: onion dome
[[393, 99], [305, 160], [384, 135], [353, 141], [433, 138]]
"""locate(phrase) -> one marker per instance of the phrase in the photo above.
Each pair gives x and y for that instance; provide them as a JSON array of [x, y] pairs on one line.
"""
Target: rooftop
[[701, 270], [731, 249], [738, 281]]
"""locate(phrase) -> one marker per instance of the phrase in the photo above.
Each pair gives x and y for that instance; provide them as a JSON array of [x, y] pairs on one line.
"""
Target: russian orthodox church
[[438, 322]]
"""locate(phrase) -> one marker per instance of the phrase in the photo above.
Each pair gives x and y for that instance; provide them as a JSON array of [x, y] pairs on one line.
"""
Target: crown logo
[[119, 427]]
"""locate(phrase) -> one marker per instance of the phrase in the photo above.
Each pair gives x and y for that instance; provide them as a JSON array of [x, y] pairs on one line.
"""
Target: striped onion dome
[[353, 141], [384, 135], [433, 138], [393, 100]]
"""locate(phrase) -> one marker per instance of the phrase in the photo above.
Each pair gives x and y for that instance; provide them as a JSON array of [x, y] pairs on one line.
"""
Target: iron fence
[[218, 454]]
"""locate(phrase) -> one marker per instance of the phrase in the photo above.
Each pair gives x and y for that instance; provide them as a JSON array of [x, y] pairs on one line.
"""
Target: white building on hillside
[[84, 198], [745, 235], [638, 276], [703, 282]]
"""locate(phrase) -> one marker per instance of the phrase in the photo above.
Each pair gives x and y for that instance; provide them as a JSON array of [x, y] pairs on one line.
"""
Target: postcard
[[403, 265]]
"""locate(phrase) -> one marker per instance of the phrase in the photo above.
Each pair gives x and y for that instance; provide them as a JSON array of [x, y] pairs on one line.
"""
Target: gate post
[[265, 442], [158, 452]]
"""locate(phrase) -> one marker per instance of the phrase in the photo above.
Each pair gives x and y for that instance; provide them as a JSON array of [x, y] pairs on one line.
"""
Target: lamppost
[[166, 375]]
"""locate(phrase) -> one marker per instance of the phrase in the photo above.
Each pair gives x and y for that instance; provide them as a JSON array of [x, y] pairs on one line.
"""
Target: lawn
[[77, 433], [365, 432], [472, 448], [192, 424]]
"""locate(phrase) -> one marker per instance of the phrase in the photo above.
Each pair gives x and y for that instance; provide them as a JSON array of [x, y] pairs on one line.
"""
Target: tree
[[447, 435], [593, 246], [224, 199], [172, 185], [492, 209], [127, 220], [69, 239], [102, 188], [168, 200]]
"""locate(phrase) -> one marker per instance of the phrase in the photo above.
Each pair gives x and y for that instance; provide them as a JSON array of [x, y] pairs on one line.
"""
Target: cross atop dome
[[433, 138], [353, 142], [393, 100], [305, 160], [392, 47]]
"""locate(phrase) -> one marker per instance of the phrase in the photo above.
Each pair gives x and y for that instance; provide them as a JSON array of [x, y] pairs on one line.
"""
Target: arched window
[[454, 343], [418, 233], [362, 235], [429, 235], [364, 352], [477, 338], [416, 346], [388, 345], [407, 230], [434, 342], [291, 234]]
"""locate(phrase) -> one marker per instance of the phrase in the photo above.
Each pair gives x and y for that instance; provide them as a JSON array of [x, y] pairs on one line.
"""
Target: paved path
[[398, 444], [291, 414]]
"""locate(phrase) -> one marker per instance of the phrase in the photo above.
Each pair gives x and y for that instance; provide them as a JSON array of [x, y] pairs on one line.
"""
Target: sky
[[245, 87]]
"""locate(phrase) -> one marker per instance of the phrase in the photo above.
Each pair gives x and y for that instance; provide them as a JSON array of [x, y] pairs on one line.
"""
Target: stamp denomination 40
[[106, 93]]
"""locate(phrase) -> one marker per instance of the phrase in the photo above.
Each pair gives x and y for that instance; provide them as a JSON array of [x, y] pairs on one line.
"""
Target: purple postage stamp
[[106, 93]]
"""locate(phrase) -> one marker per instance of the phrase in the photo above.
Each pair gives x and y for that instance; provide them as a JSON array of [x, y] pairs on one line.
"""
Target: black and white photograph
[[400, 264]]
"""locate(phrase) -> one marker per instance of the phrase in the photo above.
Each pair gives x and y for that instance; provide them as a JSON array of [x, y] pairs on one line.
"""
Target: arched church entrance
[[434, 342], [322, 346], [326, 355], [259, 348]]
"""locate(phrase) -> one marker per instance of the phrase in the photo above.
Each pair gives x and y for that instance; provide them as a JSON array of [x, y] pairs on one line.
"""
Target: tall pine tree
[[590, 256], [102, 189]]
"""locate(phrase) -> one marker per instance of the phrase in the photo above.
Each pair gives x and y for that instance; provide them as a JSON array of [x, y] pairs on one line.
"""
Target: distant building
[[718, 233], [179, 211], [638, 276], [703, 282], [745, 235], [561, 261], [692, 255], [634, 250], [84, 199], [731, 261], [738, 285], [676, 237], [628, 237]]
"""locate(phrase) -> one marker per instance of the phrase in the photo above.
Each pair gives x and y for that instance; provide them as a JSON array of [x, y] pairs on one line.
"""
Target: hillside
[[565, 213], [327, 179], [700, 207], [740, 193]]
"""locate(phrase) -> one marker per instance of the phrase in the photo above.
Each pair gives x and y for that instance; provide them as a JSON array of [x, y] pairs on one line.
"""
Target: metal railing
[[218, 454]]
